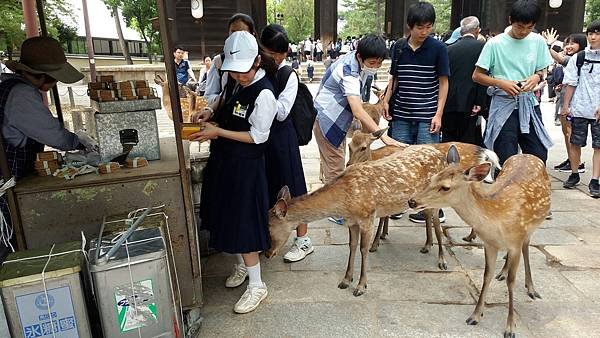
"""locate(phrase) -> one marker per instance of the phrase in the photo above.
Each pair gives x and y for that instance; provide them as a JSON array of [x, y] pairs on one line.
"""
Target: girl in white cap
[[235, 201]]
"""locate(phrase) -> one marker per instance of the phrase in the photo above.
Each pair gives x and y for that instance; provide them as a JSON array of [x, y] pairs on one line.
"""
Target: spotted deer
[[360, 151], [361, 193], [189, 100], [503, 214]]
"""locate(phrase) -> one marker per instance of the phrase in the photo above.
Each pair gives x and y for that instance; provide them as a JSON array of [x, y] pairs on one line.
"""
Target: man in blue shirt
[[183, 69], [419, 80]]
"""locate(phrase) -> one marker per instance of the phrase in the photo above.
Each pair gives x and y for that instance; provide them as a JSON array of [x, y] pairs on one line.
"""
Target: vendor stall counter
[[54, 210]]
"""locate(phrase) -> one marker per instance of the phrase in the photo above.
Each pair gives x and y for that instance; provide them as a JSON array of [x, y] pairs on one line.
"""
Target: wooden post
[[71, 97]]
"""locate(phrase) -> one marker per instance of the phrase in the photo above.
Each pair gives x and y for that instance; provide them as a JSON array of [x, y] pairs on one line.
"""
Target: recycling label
[[136, 307]]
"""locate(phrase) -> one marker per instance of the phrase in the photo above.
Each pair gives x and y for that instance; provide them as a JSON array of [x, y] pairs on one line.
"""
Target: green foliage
[[361, 17], [442, 15], [11, 18], [592, 11], [137, 15], [298, 17]]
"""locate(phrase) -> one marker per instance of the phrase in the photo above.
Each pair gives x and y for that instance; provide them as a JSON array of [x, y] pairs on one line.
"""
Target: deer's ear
[[478, 172], [355, 126], [453, 157], [281, 207], [284, 194], [377, 134]]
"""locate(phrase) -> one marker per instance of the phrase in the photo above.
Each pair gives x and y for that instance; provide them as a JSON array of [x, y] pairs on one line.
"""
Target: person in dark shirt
[[183, 69]]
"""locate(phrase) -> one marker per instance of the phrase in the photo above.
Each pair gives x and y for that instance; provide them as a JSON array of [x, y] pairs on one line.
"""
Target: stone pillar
[[325, 20]]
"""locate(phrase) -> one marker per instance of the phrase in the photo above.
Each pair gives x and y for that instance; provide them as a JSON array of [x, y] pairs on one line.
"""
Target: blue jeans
[[412, 132]]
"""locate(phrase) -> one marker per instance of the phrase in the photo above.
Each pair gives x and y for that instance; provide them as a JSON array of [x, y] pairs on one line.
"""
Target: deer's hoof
[[471, 321], [373, 248], [508, 334], [443, 266], [467, 239], [501, 276], [343, 285], [533, 295], [424, 250], [383, 236], [358, 292]]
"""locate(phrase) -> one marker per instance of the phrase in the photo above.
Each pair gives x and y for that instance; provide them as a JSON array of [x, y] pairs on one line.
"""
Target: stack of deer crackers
[[106, 89], [47, 162]]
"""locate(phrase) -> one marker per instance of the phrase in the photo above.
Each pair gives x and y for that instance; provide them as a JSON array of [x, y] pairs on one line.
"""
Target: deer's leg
[[528, 280], [375, 244], [353, 243], [386, 223], [442, 264], [504, 272], [429, 241], [470, 237], [514, 256], [365, 237], [490, 265]]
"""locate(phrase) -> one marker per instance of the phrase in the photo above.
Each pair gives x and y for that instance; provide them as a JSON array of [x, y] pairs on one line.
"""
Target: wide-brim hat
[[44, 55], [241, 49]]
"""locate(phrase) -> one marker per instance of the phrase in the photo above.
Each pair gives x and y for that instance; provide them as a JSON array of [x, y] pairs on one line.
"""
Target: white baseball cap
[[240, 51]]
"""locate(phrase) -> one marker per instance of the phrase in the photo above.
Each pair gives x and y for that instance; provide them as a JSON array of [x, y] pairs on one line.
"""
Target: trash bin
[[43, 292], [133, 287]]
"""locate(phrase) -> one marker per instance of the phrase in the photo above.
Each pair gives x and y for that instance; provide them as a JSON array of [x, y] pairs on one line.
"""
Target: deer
[[189, 100], [360, 151], [503, 214], [361, 193]]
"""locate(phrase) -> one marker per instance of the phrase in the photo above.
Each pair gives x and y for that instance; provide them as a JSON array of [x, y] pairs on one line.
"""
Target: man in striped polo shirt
[[419, 78]]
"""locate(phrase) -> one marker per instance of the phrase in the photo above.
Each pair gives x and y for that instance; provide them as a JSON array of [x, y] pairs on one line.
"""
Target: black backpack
[[303, 113], [581, 60]]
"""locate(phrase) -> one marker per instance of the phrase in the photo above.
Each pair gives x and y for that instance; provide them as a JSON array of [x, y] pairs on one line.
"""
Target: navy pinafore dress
[[283, 161], [234, 203]]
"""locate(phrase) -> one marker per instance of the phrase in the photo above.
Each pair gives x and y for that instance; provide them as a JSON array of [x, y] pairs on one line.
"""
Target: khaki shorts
[[332, 158]]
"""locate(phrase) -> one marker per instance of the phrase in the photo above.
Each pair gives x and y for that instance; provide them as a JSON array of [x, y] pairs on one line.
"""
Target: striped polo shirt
[[417, 75]]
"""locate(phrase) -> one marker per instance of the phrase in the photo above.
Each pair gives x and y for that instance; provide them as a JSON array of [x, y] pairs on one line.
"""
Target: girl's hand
[[207, 132]]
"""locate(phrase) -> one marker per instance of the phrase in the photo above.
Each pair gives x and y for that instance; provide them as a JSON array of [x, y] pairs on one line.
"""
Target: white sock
[[254, 275], [240, 259]]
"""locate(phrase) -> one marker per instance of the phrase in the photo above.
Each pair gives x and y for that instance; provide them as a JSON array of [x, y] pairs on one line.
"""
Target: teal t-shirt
[[512, 59]]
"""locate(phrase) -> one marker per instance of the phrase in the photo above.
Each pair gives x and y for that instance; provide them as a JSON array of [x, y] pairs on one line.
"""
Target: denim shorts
[[412, 132], [579, 132]]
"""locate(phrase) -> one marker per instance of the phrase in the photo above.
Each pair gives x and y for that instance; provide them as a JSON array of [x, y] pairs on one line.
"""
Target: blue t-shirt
[[417, 75], [182, 71]]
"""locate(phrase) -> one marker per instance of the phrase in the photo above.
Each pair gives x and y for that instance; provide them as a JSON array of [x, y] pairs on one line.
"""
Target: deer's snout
[[412, 203]]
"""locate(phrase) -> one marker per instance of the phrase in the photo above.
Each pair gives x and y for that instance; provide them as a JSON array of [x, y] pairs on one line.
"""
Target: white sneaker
[[251, 298], [237, 277], [300, 249]]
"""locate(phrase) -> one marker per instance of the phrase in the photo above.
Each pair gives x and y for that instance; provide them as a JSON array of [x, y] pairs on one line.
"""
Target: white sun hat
[[240, 52]]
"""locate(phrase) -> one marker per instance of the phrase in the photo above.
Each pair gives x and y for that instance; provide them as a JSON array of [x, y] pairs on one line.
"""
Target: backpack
[[582, 60], [303, 113]]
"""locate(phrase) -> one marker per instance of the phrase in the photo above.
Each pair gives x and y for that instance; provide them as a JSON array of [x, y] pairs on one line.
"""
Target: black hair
[[447, 35], [594, 27], [371, 46], [206, 56], [578, 38], [176, 47], [267, 63], [245, 19], [420, 13], [525, 11], [274, 37]]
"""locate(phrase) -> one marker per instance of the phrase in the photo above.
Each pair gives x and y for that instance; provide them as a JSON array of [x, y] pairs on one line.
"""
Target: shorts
[[579, 132]]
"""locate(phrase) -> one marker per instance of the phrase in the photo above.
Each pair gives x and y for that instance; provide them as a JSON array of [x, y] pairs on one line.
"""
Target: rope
[[6, 229], [46, 290]]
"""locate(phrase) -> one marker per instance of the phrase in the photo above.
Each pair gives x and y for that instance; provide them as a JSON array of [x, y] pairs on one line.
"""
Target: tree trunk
[[122, 42]]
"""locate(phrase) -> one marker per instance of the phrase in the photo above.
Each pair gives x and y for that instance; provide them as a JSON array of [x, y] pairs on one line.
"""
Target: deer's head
[[279, 228], [360, 146], [446, 186]]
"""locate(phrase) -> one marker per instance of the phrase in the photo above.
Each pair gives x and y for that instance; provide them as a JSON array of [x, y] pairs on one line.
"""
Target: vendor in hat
[[27, 124]]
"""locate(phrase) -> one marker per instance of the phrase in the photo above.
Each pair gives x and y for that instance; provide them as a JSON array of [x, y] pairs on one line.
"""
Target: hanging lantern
[[197, 9], [555, 3]]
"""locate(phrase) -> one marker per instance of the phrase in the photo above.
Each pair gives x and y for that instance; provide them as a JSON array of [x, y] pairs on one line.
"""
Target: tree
[[113, 7], [361, 17], [11, 18], [138, 15], [592, 11], [298, 17], [443, 10]]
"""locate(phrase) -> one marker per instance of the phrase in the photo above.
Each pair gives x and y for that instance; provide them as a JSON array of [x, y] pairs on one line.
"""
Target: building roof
[[101, 22]]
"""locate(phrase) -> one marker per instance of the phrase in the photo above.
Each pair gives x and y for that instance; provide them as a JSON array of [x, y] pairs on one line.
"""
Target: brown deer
[[503, 214], [364, 191], [189, 100], [360, 151]]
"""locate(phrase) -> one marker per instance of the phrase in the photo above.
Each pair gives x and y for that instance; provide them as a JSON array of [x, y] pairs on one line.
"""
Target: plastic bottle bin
[[145, 311], [25, 302]]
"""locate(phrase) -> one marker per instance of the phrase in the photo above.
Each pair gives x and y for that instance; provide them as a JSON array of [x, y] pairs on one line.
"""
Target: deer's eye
[[442, 188], [363, 148]]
